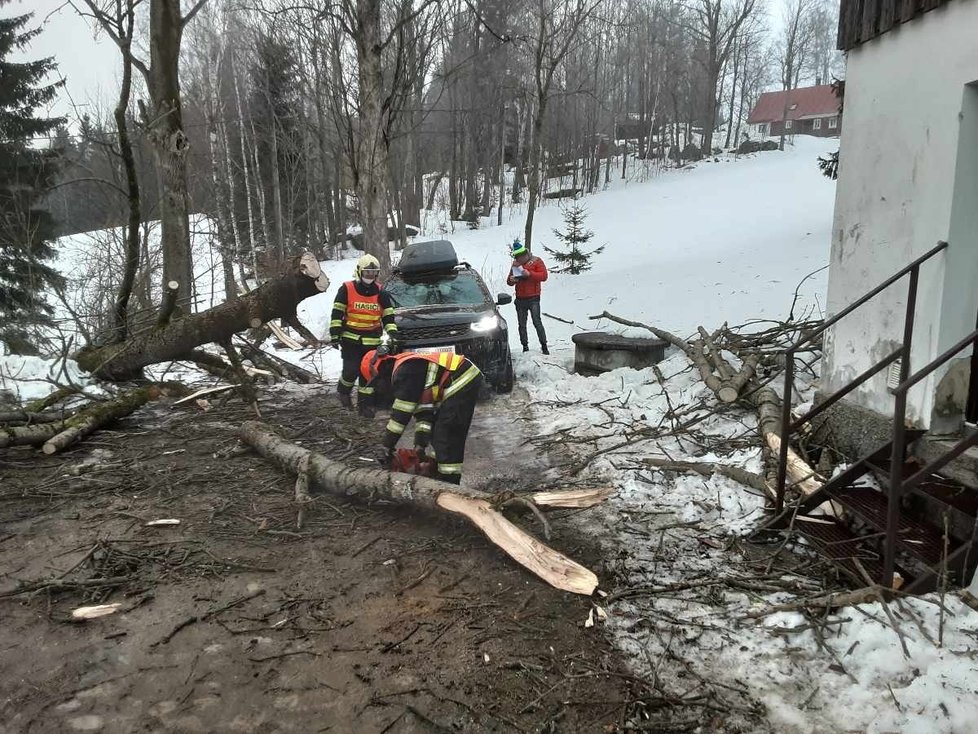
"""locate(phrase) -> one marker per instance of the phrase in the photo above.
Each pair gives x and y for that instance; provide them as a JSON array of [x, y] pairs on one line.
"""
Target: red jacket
[[528, 287]]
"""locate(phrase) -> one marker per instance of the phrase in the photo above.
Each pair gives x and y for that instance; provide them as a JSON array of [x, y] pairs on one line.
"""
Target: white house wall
[[899, 146]]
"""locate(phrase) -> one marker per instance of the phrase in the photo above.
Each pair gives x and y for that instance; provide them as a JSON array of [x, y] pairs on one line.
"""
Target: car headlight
[[486, 323]]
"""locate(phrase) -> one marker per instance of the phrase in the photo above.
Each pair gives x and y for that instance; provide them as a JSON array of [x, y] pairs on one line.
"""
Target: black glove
[[333, 344], [421, 440]]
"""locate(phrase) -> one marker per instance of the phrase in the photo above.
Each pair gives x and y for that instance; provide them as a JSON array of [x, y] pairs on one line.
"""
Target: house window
[[787, 124], [817, 123], [762, 129], [833, 123]]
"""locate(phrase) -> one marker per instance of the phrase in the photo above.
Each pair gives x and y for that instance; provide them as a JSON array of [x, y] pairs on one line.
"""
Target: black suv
[[443, 305]]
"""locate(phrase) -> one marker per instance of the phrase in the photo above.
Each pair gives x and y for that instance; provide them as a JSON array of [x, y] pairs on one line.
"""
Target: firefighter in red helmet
[[439, 391]]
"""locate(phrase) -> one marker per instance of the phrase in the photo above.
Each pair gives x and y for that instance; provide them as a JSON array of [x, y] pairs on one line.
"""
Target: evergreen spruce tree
[[27, 170], [574, 259]]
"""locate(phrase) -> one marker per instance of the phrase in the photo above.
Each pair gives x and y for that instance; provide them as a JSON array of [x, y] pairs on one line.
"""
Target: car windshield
[[457, 289]]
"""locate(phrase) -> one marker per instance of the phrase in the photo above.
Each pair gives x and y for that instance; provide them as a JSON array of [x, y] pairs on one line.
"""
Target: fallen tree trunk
[[370, 484], [273, 299], [91, 419]]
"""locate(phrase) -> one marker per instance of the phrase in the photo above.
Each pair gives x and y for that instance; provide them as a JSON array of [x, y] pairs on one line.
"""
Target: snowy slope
[[717, 242]]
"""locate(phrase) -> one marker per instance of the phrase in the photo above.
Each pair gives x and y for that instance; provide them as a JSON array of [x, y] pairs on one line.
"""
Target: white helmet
[[367, 262]]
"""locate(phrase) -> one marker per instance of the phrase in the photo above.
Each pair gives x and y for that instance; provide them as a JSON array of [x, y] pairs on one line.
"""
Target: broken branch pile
[[731, 385]]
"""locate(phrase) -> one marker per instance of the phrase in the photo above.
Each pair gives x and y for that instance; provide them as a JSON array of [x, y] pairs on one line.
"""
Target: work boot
[[366, 410], [345, 400], [450, 478], [543, 348]]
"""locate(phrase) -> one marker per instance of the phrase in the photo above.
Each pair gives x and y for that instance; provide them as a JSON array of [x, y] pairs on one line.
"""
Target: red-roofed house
[[802, 111]]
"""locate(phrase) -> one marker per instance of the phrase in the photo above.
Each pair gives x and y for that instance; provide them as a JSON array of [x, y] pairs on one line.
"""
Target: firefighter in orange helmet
[[439, 391], [362, 313]]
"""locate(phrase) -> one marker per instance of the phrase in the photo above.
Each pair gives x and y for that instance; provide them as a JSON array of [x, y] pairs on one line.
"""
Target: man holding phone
[[527, 273]]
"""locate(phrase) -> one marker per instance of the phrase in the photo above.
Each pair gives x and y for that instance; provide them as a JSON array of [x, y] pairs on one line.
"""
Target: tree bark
[[277, 298], [370, 484], [125, 29], [20, 416], [29, 435], [372, 146], [170, 144], [799, 473], [91, 419]]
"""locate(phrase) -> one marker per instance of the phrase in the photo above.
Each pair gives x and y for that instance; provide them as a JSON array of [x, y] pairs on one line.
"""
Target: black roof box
[[427, 257]]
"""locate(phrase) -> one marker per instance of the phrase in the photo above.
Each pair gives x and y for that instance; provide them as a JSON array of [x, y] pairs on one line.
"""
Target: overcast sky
[[87, 62]]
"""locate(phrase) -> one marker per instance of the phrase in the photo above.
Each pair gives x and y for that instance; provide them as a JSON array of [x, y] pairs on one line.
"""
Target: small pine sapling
[[574, 259]]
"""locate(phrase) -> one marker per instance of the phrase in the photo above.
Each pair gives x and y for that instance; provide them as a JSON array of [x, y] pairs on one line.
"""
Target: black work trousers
[[352, 353], [452, 423], [530, 306]]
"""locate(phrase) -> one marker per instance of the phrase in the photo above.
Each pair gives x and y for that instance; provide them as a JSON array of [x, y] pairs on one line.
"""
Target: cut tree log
[[371, 484], [730, 390], [721, 365], [799, 473], [276, 298], [92, 418], [23, 417], [29, 435]]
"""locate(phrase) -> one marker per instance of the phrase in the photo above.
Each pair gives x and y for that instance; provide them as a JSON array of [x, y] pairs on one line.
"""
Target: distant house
[[803, 111]]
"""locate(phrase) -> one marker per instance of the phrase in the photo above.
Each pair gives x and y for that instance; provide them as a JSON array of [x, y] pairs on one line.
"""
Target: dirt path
[[369, 619]]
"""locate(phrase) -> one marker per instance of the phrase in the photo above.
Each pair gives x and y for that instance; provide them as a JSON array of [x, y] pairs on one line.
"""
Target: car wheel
[[505, 383]]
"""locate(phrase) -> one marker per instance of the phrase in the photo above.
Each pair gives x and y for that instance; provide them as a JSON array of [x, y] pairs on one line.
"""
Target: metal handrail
[[939, 247], [787, 426], [898, 484]]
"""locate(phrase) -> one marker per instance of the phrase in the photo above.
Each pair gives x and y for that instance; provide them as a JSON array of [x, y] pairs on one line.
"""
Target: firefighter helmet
[[372, 360], [367, 262]]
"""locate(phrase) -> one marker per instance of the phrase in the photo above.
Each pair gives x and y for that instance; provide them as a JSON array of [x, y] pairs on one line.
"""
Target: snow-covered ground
[[692, 612], [724, 241]]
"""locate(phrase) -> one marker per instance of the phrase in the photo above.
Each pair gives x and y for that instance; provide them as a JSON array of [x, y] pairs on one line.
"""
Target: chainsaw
[[412, 461]]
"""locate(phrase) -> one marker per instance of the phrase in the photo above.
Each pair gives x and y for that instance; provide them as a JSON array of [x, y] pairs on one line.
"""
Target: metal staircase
[[886, 496]]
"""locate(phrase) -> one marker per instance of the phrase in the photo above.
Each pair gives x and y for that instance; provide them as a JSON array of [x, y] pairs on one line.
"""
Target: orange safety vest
[[434, 385], [363, 313]]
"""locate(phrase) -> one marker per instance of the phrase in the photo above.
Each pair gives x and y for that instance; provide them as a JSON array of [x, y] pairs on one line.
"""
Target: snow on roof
[[802, 103]]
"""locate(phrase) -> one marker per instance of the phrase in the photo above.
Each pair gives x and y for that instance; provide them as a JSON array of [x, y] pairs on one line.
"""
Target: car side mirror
[[503, 298]]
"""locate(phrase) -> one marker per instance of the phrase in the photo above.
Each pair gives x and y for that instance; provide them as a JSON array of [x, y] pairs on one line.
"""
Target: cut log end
[[254, 323], [173, 285], [728, 394], [49, 448]]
